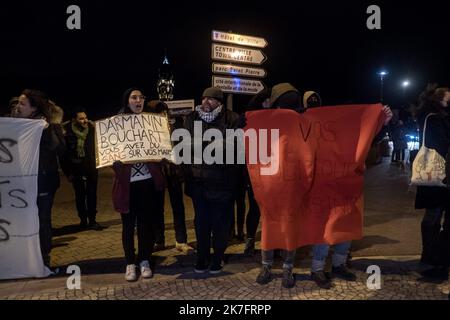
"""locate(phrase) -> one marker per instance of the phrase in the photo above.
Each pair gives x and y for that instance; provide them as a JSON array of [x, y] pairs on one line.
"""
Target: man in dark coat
[[212, 187], [78, 165]]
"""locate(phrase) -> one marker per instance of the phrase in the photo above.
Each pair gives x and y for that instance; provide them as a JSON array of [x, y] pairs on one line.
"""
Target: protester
[[212, 187], [34, 104], [285, 96], [311, 99], [174, 181], [258, 102], [79, 166], [435, 200], [136, 194]]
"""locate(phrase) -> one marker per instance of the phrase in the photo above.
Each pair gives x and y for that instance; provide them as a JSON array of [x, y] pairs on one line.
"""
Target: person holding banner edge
[[34, 104]]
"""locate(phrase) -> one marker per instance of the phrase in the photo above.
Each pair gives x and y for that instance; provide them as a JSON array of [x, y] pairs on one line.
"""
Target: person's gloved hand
[[242, 121]]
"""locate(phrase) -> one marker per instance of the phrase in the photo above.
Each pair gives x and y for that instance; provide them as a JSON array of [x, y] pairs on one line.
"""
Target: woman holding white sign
[[136, 191], [34, 104]]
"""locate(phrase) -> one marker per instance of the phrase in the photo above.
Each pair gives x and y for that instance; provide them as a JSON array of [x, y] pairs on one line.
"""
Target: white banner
[[20, 252], [132, 138]]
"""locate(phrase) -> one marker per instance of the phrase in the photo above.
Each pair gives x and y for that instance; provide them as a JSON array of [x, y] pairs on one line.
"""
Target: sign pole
[[230, 101]]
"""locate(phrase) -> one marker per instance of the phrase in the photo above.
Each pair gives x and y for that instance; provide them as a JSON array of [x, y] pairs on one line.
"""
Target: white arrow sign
[[237, 85], [238, 70], [237, 54], [240, 39]]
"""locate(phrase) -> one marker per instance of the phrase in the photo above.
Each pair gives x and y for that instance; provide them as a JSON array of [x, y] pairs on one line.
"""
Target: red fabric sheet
[[316, 195]]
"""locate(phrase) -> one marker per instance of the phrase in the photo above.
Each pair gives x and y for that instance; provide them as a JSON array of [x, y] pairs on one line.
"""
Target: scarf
[[208, 116], [81, 138]]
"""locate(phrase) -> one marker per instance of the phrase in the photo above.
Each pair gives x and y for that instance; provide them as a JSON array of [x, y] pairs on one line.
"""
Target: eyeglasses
[[133, 97]]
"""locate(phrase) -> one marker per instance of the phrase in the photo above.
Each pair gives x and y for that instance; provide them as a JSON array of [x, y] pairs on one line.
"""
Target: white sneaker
[[146, 272], [130, 274]]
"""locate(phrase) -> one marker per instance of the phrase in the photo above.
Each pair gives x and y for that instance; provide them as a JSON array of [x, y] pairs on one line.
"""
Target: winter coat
[[52, 146], [121, 184], [213, 182], [73, 165], [437, 136]]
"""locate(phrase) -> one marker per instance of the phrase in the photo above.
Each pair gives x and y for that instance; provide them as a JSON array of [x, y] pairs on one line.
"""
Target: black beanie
[[288, 100]]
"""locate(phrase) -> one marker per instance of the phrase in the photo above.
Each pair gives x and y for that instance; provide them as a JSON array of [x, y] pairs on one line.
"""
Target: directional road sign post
[[234, 70], [240, 54], [237, 85], [237, 54], [239, 39]]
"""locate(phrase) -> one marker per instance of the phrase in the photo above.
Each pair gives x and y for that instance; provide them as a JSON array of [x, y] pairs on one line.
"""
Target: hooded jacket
[[309, 94]]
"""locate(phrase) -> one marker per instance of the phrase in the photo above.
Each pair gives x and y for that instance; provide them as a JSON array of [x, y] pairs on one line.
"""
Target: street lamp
[[405, 84], [382, 74]]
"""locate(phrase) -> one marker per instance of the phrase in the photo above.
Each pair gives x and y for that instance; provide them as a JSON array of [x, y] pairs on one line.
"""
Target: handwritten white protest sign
[[132, 138], [20, 252]]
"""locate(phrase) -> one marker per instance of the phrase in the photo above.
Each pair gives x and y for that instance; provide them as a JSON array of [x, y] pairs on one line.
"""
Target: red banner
[[313, 192]]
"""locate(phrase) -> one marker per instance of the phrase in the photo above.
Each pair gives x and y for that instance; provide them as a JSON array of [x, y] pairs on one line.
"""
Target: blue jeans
[[320, 254]]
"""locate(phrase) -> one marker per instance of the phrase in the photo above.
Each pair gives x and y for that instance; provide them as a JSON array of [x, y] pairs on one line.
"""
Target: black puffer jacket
[[213, 182], [437, 136]]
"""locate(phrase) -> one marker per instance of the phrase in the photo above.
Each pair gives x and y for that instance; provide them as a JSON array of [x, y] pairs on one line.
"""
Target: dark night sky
[[321, 45]]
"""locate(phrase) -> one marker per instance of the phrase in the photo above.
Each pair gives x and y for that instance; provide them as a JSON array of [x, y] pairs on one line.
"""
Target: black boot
[[430, 236], [438, 273], [83, 224], [93, 225], [249, 247]]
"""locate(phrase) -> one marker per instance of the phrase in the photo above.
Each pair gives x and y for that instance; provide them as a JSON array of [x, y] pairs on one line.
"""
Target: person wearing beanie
[[341, 255], [311, 99], [283, 96], [137, 193], [212, 187]]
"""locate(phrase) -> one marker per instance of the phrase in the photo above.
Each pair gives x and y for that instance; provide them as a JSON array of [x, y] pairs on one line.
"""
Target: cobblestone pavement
[[392, 242], [177, 281]]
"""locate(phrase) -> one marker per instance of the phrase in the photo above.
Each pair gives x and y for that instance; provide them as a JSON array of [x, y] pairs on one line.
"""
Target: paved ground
[[392, 242]]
